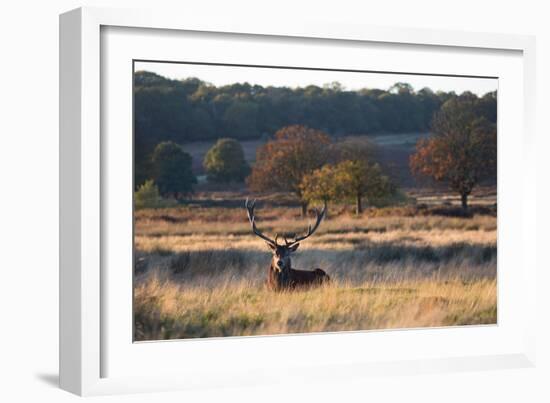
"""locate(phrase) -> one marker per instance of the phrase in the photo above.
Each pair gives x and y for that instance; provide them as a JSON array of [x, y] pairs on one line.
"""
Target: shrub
[[148, 196]]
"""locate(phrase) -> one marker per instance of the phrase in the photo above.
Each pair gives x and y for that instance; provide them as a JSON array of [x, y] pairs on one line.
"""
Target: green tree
[[361, 181], [172, 168], [282, 163], [225, 162], [321, 185], [463, 150]]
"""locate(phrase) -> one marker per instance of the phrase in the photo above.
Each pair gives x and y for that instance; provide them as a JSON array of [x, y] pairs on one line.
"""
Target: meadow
[[200, 272]]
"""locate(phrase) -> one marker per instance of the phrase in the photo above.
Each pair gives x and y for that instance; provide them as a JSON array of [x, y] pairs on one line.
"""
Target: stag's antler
[[310, 230], [252, 219]]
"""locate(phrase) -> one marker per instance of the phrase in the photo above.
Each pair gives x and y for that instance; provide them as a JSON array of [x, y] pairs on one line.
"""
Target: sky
[[278, 77]]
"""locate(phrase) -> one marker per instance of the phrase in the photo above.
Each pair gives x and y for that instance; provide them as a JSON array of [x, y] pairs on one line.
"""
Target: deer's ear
[[294, 247], [271, 246]]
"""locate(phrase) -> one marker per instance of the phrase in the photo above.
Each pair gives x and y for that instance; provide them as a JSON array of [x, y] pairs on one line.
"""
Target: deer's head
[[280, 260], [282, 251]]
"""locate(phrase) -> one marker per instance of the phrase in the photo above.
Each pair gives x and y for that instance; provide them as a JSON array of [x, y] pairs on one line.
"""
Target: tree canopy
[[191, 109], [225, 162]]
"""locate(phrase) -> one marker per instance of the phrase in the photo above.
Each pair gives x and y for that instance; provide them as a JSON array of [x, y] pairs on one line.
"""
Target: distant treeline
[[190, 110]]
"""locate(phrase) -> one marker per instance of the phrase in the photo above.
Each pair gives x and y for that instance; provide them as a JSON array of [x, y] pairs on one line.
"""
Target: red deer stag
[[281, 275]]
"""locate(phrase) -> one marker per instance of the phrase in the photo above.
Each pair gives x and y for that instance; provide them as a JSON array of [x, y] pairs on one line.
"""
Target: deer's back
[[295, 279], [306, 277]]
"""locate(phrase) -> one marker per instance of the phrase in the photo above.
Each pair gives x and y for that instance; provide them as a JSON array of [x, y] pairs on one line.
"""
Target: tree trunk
[[326, 209], [464, 201], [358, 205], [304, 209]]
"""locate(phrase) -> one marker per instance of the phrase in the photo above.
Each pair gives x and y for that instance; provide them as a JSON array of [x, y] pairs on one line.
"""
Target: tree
[[225, 162], [282, 163], [172, 169], [321, 185], [361, 181], [463, 150]]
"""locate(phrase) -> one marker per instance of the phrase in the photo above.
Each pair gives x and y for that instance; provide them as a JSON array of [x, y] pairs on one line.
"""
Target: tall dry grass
[[200, 273], [166, 309]]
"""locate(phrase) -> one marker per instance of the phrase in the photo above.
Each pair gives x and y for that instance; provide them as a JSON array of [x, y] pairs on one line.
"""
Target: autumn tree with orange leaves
[[463, 149], [282, 163]]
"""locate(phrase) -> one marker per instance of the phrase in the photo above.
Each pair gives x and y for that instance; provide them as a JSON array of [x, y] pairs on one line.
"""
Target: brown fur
[[292, 279]]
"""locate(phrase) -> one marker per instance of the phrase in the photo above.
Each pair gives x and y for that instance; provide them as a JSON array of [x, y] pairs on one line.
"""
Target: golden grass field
[[200, 272]]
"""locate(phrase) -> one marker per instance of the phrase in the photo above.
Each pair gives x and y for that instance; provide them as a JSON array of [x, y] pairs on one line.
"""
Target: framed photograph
[[243, 203]]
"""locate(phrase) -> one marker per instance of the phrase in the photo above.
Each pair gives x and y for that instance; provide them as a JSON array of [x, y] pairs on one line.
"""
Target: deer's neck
[[279, 275], [274, 269]]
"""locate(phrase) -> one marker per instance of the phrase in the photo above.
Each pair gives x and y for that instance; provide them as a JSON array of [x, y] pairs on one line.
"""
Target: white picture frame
[[88, 334]]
